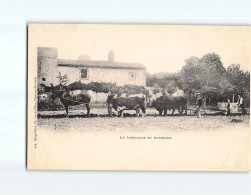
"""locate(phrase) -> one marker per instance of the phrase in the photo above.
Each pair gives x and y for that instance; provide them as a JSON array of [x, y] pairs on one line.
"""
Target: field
[[212, 142], [100, 121]]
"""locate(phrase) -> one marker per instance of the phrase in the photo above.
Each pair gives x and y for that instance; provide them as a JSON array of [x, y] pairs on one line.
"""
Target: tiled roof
[[99, 64]]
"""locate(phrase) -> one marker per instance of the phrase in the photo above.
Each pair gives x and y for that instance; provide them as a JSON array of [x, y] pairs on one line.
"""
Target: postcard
[[138, 97]]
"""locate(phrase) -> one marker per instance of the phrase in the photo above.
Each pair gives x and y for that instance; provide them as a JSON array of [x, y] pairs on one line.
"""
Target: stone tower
[[111, 56], [47, 61]]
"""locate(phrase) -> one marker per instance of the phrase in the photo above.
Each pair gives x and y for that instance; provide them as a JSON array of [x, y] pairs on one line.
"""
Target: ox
[[127, 103], [75, 97], [165, 103]]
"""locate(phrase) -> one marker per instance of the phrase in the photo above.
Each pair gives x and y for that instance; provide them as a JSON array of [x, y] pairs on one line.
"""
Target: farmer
[[228, 107], [241, 104], [109, 103], [199, 102]]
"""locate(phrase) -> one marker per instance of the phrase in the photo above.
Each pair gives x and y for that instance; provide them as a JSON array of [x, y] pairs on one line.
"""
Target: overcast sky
[[159, 48]]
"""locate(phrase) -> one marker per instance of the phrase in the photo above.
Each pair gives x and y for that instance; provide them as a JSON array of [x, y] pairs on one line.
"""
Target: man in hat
[[228, 107], [199, 102], [109, 103], [240, 103]]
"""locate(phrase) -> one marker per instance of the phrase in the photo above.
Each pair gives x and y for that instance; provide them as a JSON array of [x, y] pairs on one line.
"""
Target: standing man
[[228, 107], [199, 102], [241, 104], [109, 103]]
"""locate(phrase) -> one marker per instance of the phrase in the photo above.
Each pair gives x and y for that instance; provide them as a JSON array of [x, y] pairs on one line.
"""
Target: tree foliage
[[63, 80], [239, 79], [205, 75], [164, 82]]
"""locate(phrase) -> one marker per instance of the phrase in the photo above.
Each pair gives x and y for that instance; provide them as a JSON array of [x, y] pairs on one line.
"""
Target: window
[[132, 75], [84, 74]]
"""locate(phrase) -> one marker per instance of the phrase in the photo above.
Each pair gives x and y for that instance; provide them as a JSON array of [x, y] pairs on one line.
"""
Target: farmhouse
[[86, 70]]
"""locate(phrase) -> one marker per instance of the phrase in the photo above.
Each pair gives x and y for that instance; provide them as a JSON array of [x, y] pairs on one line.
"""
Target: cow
[[75, 97], [126, 103], [165, 103]]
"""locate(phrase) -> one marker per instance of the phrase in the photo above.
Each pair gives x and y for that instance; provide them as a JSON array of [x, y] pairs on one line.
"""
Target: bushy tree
[[206, 75], [240, 79], [63, 80], [164, 82], [214, 71], [191, 75]]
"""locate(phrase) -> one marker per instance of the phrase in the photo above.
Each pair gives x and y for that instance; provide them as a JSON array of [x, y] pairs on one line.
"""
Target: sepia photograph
[[138, 97], [125, 97]]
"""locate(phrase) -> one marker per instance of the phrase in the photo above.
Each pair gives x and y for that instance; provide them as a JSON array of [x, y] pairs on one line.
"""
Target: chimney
[[111, 56]]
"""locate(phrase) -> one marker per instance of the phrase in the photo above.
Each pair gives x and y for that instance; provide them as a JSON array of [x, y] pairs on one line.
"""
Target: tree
[[191, 75], [165, 82], [63, 80], [205, 75], [213, 69], [240, 79], [226, 88], [171, 87]]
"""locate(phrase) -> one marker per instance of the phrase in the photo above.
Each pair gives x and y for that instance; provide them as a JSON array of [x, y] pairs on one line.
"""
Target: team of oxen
[[120, 104]]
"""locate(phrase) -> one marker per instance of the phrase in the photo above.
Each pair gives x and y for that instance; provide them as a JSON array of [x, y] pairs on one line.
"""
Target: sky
[[161, 48]]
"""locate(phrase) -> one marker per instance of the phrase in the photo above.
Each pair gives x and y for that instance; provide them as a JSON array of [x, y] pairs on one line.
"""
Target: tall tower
[[47, 61], [111, 56]]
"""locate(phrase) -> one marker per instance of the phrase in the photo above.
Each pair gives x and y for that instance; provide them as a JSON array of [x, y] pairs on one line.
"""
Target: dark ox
[[69, 98], [128, 103], [165, 103]]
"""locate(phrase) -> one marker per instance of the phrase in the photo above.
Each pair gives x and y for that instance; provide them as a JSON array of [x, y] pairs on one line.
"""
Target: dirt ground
[[100, 121], [212, 142]]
